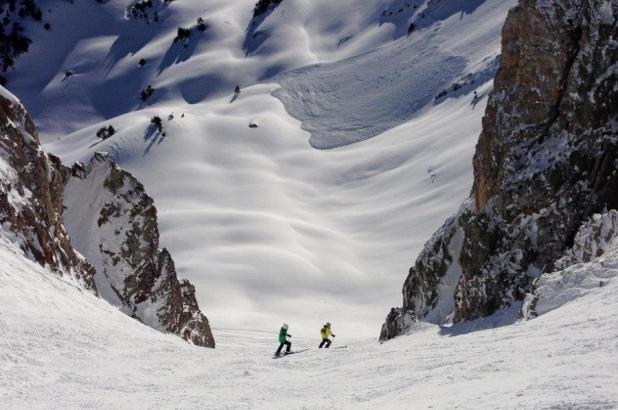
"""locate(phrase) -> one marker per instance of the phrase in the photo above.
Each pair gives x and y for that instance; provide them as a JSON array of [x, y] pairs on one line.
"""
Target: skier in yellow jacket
[[326, 332]]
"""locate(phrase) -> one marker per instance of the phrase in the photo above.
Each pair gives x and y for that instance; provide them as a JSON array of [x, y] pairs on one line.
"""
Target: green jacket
[[283, 334]]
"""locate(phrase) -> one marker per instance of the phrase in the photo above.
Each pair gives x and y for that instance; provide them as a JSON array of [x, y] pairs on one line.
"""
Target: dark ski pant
[[325, 343], [286, 343]]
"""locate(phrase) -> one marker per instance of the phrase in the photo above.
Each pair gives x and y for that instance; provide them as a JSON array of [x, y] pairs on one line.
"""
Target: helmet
[[285, 326], [327, 324]]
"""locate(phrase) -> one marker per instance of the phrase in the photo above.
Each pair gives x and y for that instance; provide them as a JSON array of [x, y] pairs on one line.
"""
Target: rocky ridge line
[[113, 222], [31, 196]]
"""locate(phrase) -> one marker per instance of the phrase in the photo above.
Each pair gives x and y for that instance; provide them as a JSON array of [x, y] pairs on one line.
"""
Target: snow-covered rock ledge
[[31, 196], [591, 263], [57, 215], [113, 222]]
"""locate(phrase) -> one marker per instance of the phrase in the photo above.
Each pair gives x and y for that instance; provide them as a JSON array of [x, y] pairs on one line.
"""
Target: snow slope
[[101, 47], [64, 348], [268, 228], [363, 96]]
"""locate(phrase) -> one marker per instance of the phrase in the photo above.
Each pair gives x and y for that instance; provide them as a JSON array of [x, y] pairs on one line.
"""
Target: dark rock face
[[546, 161], [113, 222], [589, 263], [262, 6], [31, 196], [13, 41], [593, 239]]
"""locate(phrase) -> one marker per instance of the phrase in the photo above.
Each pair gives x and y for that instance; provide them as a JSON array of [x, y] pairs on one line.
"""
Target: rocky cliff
[[545, 162], [110, 219], [113, 222], [31, 195]]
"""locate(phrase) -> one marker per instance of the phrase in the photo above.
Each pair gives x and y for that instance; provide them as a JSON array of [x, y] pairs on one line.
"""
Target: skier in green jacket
[[283, 335]]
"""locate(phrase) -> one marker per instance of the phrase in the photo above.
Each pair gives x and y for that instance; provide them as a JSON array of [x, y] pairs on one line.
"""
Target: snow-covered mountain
[[31, 196], [299, 154], [287, 232], [113, 223]]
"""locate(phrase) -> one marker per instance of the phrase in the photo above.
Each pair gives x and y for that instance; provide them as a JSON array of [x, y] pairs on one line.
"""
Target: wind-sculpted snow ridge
[[113, 222], [544, 164], [31, 195], [591, 262], [339, 109]]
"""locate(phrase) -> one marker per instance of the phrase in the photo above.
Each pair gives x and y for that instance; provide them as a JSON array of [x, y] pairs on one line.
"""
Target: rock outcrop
[[13, 41], [593, 239], [113, 222], [58, 215], [546, 161], [591, 263], [31, 195], [262, 6]]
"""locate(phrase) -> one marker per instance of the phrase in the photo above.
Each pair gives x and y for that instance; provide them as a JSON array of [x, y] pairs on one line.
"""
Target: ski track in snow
[[61, 347]]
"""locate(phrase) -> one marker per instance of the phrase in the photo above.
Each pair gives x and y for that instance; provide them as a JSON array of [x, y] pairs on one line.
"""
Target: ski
[[290, 353]]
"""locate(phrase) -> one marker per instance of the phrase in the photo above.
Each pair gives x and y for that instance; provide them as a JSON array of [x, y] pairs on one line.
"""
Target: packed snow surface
[[62, 347]]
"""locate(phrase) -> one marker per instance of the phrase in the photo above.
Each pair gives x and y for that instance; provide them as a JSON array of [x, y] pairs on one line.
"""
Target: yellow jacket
[[326, 332]]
